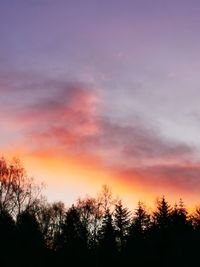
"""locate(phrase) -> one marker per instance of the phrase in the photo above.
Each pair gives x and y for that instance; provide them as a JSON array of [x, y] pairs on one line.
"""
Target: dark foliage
[[93, 232]]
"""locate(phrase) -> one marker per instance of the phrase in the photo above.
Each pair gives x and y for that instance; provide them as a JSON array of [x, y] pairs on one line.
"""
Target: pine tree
[[73, 238], [141, 220], [107, 241], [136, 242], [196, 219], [162, 215], [179, 216], [182, 234], [161, 237], [122, 223]]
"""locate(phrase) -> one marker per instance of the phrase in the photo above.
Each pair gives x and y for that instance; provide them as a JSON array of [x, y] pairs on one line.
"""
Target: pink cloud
[[71, 121]]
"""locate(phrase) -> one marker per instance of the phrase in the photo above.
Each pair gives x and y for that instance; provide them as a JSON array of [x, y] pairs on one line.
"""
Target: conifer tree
[[162, 215], [107, 241], [122, 223], [136, 242], [73, 238]]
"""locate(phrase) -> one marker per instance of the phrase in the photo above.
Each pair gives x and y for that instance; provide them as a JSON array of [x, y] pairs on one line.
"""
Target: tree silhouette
[[161, 232], [162, 215], [94, 232], [179, 216], [141, 220], [107, 241], [73, 238], [7, 239], [50, 218], [91, 217], [122, 223], [17, 191], [136, 242], [30, 238], [180, 228], [106, 199]]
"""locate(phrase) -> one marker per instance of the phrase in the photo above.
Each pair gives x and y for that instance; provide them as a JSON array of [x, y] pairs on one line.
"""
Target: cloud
[[73, 119], [139, 143], [68, 119], [63, 120], [172, 178]]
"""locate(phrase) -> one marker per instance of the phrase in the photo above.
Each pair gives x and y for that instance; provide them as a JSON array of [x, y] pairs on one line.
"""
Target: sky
[[101, 92]]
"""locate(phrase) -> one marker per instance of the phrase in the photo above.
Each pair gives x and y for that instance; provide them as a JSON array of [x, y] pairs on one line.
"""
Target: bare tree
[[50, 218], [106, 199], [17, 190], [91, 216]]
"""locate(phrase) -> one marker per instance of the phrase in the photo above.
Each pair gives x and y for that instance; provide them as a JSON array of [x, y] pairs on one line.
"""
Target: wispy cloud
[[72, 121], [69, 119]]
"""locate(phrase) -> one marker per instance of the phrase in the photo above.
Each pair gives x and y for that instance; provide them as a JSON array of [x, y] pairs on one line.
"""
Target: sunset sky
[[100, 92]]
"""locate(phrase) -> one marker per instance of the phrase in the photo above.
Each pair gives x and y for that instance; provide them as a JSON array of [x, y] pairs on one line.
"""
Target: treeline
[[95, 232]]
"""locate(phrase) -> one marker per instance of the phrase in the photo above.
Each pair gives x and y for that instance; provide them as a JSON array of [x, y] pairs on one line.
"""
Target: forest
[[97, 232]]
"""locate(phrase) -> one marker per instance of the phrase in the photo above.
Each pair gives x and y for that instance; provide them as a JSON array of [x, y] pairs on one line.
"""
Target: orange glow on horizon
[[86, 174]]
